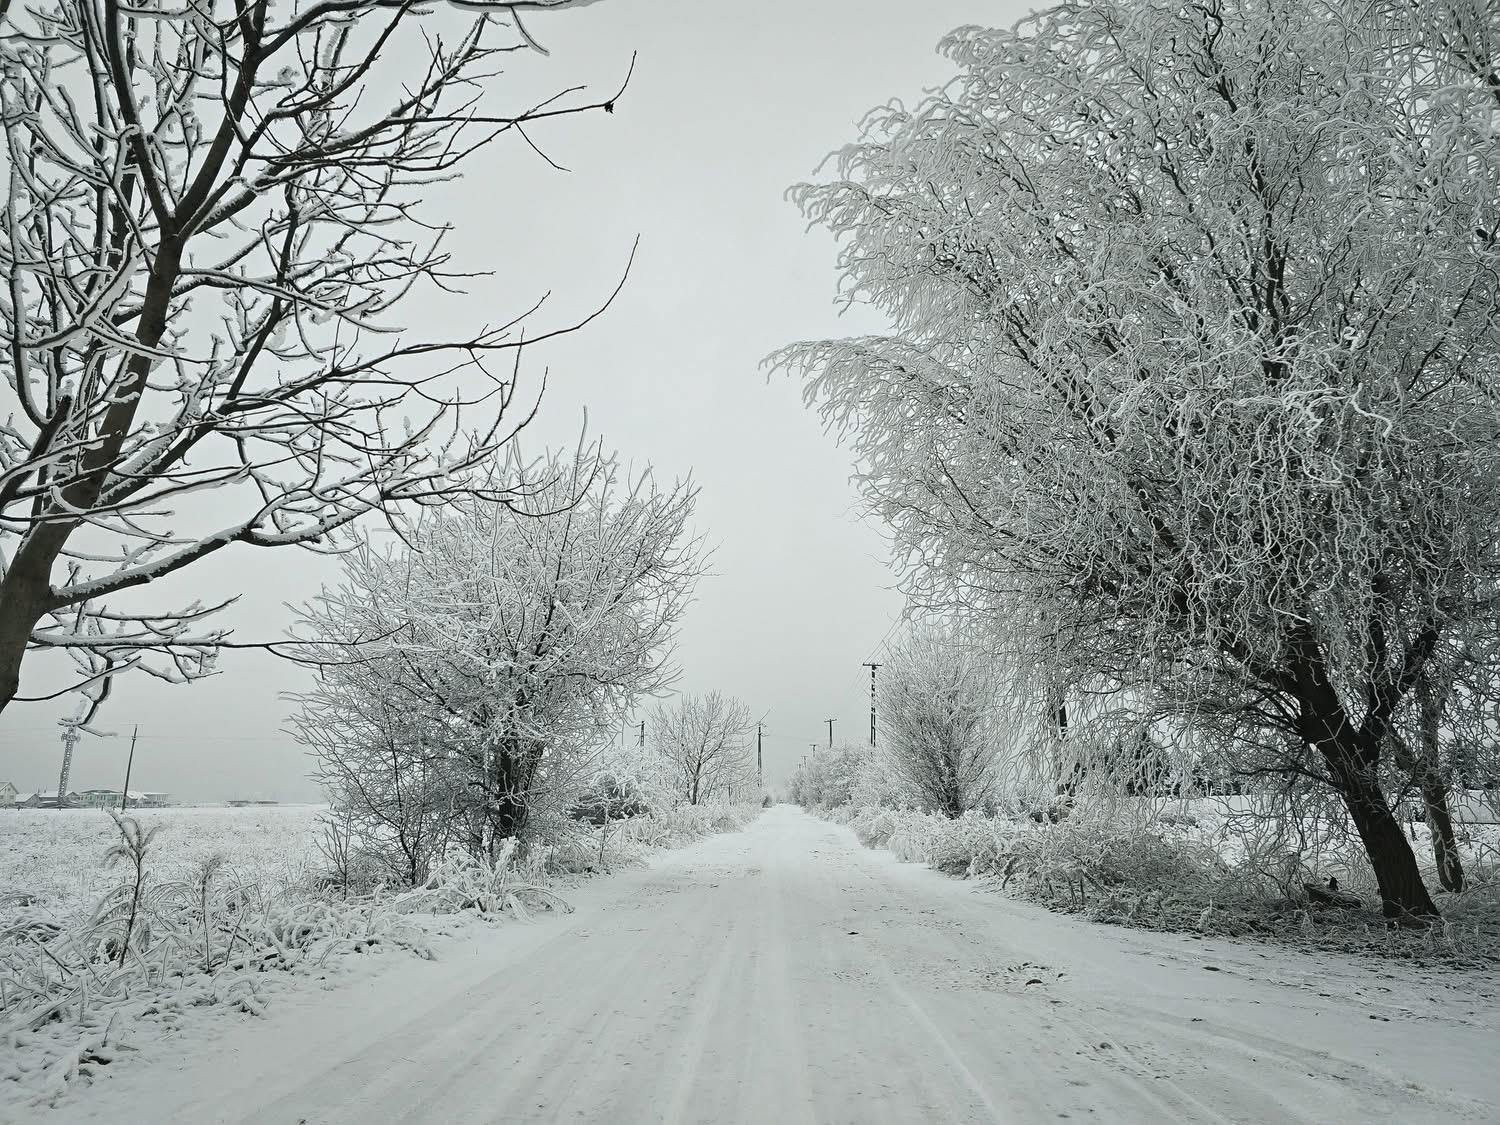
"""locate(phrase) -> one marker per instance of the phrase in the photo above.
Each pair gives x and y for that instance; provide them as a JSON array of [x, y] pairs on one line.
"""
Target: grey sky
[[730, 104]]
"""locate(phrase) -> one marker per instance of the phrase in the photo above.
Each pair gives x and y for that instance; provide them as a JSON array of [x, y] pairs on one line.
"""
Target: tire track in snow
[[694, 1036]]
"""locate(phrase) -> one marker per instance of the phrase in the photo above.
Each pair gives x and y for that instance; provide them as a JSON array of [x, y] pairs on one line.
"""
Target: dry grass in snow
[[53, 858]]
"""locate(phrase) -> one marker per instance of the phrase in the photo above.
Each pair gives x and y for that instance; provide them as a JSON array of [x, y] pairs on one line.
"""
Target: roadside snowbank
[[1186, 873]]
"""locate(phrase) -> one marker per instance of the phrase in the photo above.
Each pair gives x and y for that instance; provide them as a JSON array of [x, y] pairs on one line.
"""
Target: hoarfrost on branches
[[942, 741], [212, 219]]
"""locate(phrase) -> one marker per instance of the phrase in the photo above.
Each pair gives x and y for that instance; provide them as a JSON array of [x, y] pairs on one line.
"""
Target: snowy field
[[56, 859]]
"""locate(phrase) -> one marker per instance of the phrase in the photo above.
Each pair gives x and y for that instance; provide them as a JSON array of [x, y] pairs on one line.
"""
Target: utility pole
[[830, 723], [643, 734], [872, 666], [760, 777], [130, 761], [70, 740]]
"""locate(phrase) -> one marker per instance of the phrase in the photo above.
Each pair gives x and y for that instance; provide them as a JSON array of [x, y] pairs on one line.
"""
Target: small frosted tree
[[938, 703], [702, 743], [1192, 385], [394, 793], [510, 639]]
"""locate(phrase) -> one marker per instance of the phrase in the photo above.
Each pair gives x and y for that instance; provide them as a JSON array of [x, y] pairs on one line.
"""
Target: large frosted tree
[[1192, 386]]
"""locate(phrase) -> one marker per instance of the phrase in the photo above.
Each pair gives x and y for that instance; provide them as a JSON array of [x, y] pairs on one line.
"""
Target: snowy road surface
[[785, 974]]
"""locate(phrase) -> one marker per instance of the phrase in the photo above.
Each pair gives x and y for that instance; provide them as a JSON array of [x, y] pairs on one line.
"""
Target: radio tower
[[70, 740]]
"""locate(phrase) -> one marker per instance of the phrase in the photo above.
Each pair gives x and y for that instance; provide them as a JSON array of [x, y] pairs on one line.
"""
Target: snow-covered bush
[[827, 778], [495, 887], [670, 827], [610, 796], [941, 720]]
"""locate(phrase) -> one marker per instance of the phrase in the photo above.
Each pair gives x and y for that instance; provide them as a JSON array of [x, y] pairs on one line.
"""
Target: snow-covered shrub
[[943, 726], [827, 778], [1135, 863], [610, 796], [667, 827], [462, 883]]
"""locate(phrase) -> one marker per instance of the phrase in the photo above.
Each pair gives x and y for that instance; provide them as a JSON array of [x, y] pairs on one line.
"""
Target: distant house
[[246, 802], [109, 798], [151, 800], [46, 799], [8, 794]]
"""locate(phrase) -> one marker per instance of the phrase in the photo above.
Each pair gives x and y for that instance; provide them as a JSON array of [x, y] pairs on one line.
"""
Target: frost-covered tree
[[213, 216], [702, 743], [1192, 386], [940, 716], [508, 639]]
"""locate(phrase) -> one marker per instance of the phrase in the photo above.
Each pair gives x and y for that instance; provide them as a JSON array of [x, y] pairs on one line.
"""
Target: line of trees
[[1190, 400]]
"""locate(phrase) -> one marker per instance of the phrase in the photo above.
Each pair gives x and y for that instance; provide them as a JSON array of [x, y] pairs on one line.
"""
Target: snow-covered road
[[785, 974]]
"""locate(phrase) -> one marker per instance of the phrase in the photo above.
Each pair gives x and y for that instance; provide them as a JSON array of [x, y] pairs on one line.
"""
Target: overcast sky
[[730, 104]]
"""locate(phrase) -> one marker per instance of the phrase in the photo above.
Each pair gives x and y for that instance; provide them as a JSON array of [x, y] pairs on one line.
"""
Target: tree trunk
[[23, 596], [1429, 771], [15, 635], [1353, 757], [1069, 775], [1450, 866], [1403, 894]]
